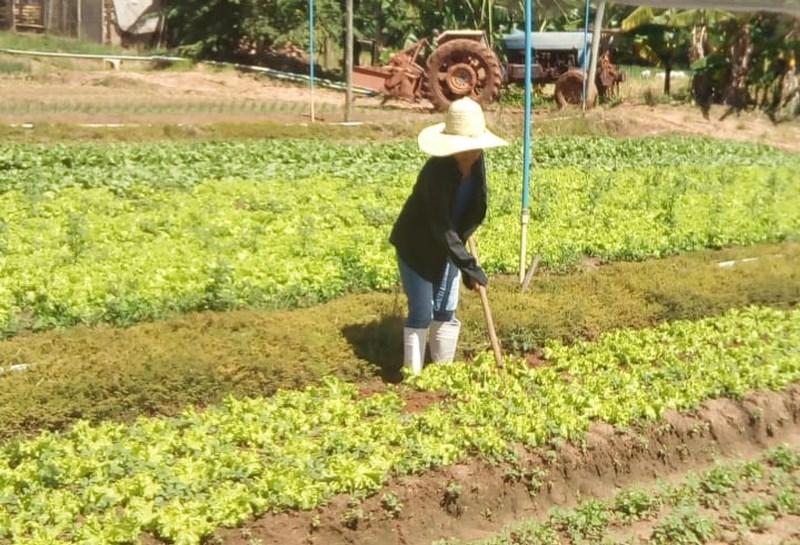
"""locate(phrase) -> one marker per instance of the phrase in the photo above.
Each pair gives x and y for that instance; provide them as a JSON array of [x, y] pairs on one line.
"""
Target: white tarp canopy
[[791, 7], [137, 16]]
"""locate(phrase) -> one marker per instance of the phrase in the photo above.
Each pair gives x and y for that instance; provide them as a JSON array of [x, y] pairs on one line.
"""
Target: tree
[[751, 62], [388, 22], [664, 36], [223, 29], [207, 28]]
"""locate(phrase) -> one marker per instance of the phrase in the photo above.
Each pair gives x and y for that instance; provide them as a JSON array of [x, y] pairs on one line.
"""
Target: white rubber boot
[[414, 341], [444, 338]]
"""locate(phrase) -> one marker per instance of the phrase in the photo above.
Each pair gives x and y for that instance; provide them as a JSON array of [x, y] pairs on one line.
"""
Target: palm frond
[[686, 18], [691, 17], [641, 16], [647, 54]]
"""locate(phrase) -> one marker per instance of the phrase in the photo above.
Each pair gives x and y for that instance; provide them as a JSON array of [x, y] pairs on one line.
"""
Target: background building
[[117, 22]]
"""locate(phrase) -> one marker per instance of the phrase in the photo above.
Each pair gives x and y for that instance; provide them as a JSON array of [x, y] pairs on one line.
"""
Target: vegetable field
[[182, 478], [123, 234], [739, 499], [203, 329]]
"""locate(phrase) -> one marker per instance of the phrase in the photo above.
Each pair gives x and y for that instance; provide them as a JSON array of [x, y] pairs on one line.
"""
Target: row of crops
[[109, 373], [36, 168], [128, 233], [181, 478], [748, 496]]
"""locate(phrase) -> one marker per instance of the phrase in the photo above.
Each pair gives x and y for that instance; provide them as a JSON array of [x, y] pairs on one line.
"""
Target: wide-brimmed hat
[[464, 129]]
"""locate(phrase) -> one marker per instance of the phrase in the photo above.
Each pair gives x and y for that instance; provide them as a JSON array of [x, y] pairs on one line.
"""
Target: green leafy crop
[[684, 527], [182, 477], [123, 167], [128, 233]]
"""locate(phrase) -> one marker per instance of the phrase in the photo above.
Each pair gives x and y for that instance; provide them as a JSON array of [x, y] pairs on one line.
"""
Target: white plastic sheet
[[791, 7], [136, 16]]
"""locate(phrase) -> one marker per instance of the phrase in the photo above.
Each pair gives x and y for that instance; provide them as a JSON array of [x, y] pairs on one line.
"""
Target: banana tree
[[385, 21], [494, 15], [662, 36], [762, 51], [751, 62], [549, 14], [491, 16]]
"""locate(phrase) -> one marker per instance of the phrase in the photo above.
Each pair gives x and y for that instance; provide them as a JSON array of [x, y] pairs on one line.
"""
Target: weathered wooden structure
[[116, 22]]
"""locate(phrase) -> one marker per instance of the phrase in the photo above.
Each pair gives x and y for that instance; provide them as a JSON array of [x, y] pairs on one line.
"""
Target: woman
[[446, 206]]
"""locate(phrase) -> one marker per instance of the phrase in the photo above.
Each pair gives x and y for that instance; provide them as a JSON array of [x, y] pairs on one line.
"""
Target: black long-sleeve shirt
[[425, 234]]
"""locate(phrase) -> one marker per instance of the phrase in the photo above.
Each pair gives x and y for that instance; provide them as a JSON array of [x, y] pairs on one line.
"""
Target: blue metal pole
[[585, 54], [311, 54], [527, 143], [528, 102]]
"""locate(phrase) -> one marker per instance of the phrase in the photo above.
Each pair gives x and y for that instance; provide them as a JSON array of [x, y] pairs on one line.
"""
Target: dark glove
[[474, 277]]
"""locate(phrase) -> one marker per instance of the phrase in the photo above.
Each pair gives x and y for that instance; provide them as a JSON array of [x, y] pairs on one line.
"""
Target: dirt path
[[81, 92], [641, 120], [201, 95]]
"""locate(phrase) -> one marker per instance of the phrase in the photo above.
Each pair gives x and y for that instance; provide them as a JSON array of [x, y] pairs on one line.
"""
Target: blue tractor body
[[554, 53]]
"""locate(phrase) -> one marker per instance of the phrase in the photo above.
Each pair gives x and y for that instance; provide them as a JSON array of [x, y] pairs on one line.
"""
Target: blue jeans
[[429, 301]]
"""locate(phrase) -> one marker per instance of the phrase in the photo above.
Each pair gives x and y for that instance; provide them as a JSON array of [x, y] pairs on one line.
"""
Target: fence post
[[348, 64], [598, 29]]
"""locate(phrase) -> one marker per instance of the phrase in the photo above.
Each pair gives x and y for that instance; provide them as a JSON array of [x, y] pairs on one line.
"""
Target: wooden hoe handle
[[487, 311]]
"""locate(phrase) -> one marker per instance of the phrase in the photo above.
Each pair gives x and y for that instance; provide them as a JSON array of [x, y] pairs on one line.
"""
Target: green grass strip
[[52, 43], [181, 478]]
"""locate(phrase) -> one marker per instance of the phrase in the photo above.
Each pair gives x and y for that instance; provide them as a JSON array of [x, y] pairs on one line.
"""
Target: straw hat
[[464, 129]]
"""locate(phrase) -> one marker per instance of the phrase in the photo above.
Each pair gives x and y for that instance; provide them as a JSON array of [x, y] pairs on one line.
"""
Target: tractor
[[461, 64], [558, 58]]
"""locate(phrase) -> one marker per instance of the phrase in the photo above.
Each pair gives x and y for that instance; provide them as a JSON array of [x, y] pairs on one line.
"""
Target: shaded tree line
[[225, 29], [741, 60]]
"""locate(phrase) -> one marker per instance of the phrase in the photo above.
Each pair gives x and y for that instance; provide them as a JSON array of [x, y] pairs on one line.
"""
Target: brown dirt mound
[[642, 120], [415, 400], [489, 497]]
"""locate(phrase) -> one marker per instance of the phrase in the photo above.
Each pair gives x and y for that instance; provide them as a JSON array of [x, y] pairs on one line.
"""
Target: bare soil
[[81, 92], [784, 531], [415, 401], [610, 458], [642, 120]]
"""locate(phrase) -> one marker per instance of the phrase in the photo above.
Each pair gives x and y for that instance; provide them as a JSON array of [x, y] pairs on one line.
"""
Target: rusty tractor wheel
[[463, 68], [569, 88]]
